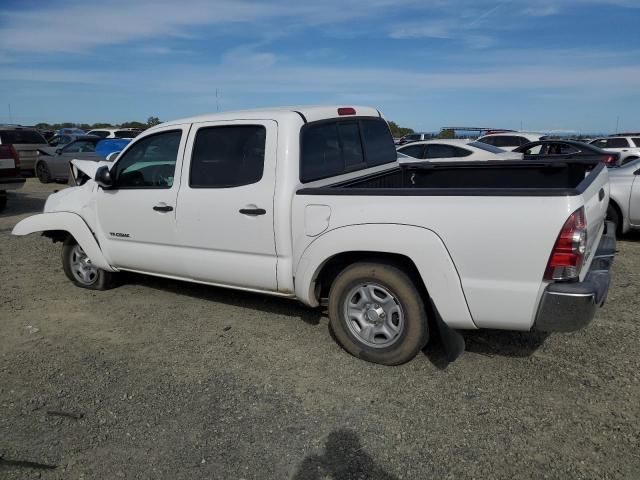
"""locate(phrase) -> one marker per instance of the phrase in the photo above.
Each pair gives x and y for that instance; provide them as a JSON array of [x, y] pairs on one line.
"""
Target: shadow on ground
[[483, 342], [344, 457], [20, 204], [226, 296]]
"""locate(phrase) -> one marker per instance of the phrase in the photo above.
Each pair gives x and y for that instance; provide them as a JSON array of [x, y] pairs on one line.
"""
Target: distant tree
[[101, 125], [153, 121], [397, 131], [447, 133]]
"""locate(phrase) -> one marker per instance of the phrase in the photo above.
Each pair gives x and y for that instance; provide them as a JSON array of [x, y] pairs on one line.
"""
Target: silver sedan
[[624, 203], [53, 163]]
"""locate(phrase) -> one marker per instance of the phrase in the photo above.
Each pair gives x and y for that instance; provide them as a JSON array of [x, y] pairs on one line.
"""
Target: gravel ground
[[165, 379]]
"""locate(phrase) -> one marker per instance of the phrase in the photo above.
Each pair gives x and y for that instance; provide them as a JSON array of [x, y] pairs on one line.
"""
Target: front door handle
[[601, 194], [252, 211], [163, 208]]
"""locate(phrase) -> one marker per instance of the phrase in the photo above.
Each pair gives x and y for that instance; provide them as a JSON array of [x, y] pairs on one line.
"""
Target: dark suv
[[26, 141]]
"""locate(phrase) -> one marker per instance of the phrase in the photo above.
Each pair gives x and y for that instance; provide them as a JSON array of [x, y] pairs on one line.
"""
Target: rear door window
[[636, 141], [440, 151], [333, 147], [228, 156], [617, 143]]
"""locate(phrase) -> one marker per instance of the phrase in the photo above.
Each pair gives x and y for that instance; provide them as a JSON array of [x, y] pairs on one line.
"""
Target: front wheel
[[79, 269], [43, 173], [377, 313]]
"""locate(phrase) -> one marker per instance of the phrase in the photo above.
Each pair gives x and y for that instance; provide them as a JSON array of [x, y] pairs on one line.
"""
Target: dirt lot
[[182, 381]]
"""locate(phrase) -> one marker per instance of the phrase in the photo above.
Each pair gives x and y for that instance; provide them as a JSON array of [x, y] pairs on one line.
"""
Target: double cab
[[310, 203]]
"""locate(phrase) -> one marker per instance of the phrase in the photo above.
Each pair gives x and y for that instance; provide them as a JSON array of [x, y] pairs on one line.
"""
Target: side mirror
[[103, 177], [112, 156], [58, 151]]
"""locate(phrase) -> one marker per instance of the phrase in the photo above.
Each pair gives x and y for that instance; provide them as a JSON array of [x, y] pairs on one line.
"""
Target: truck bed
[[491, 178]]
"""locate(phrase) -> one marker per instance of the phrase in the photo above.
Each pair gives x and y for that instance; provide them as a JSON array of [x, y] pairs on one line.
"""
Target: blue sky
[[539, 64]]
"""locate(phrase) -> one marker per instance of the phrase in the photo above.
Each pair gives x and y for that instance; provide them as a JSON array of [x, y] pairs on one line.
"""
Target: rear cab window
[[337, 146], [21, 137]]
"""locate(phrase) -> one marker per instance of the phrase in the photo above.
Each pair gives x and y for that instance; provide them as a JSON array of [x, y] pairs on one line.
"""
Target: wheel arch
[[57, 226], [419, 251]]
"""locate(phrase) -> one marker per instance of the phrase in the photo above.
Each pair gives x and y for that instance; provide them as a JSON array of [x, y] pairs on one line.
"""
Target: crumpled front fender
[[68, 222]]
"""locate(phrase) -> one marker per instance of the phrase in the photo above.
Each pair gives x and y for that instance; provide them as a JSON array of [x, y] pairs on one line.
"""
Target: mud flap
[[452, 342]]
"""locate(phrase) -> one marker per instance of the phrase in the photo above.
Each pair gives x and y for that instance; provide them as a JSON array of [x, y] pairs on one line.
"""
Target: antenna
[[617, 122], [10, 117], [217, 104]]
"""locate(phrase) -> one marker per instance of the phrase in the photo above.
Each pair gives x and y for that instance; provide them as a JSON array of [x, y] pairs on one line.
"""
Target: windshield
[[17, 137], [486, 147]]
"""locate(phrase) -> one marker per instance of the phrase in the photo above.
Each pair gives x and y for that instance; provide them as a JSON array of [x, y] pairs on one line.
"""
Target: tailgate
[[596, 200], [28, 152]]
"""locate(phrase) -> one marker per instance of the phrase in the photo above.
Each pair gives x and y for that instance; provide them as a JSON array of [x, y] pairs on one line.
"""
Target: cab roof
[[309, 113]]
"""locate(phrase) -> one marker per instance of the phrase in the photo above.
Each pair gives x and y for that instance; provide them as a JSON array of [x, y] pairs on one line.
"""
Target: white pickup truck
[[309, 203]]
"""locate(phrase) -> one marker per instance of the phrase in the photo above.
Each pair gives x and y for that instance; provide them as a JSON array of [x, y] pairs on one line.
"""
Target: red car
[[10, 178]]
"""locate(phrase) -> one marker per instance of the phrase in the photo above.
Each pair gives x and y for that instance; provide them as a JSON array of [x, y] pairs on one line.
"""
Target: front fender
[[68, 222], [421, 245]]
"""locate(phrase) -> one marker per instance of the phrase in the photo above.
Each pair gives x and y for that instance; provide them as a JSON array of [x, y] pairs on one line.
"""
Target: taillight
[[346, 111], [568, 252], [610, 160]]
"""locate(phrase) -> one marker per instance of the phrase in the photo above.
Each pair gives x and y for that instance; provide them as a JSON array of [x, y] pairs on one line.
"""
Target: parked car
[[335, 219], [108, 146], [453, 151], [562, 149], [415, 137], [511, 140], [624, 203], [71, 131], [627, 147], [26, 141], [10, 178], [53, 164], [115, 132]]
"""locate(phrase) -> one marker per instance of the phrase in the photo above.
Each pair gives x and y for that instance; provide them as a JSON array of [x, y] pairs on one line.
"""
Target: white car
[[114, 132], [511, 140], [624, 203], [453, 151], [627, 146], [309, 203]]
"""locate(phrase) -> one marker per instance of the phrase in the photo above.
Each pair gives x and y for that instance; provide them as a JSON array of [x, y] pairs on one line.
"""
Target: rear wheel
[[3, 200], [377, 313], [614, 216], [627, 160], [43, 173], [81, 271]]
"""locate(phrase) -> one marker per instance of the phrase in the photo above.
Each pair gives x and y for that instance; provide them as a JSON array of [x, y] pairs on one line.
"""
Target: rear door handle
[[163, 208], [252, 211]]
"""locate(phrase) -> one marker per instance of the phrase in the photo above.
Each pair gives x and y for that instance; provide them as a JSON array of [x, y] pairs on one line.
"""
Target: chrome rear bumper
[[566, 307]]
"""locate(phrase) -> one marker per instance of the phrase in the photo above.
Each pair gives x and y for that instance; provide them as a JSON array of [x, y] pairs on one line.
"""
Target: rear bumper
[[566, 307], [11, 183]]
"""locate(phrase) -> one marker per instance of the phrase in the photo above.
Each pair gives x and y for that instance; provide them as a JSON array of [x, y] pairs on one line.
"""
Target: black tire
[[98, 280], [614, 216], [414, 333], [3, 200], [43, 173]]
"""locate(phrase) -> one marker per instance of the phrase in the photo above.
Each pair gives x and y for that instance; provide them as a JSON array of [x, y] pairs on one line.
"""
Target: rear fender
[[68, 222], [421, 245]]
